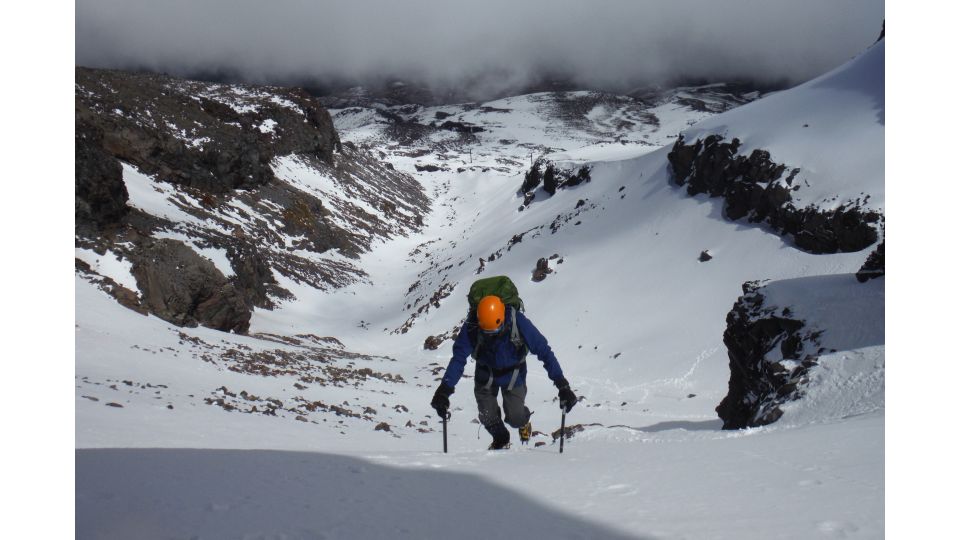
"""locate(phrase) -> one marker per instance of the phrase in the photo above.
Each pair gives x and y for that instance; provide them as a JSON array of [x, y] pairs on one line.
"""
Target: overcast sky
[[604, 44]]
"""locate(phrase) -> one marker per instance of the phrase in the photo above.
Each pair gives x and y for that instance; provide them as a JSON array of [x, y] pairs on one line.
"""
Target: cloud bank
[[612, 44]]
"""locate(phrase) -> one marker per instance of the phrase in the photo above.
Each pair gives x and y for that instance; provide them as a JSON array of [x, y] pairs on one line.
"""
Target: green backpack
[[497, 286], [502, 287]]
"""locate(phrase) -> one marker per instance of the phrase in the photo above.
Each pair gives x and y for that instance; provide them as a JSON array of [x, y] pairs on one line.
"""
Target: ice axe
[[563, 426], [446, 416]]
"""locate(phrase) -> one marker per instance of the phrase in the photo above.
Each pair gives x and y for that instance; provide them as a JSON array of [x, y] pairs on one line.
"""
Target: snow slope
[[832, 127], [635, 318]]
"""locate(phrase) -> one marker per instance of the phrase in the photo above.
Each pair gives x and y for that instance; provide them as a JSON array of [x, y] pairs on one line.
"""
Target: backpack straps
[[516, 338], [513, 378]]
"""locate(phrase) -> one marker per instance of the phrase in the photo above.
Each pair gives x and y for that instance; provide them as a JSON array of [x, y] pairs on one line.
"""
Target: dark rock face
[[253, 278], [427, 168], [99, 192], [553, 179], [550, 179], [211, 137], [751, 188], [582, 175], [183, 288], [759, 385], [531, 179], [231, 160], [460, 127], [874, 265]]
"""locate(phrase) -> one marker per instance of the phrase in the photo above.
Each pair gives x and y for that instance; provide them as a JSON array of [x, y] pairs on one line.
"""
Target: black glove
[[441, 400], [567, 398]]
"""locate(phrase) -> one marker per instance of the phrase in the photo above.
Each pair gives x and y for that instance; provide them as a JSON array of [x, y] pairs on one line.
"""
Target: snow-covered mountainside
[[828, 132], [212, 200], [637, 284]]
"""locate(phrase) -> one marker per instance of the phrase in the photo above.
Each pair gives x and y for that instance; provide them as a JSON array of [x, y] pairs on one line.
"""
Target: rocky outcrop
[[183, 288], [432, 343], [99, 192], [751, 187], [215, 138], [245, 175], [873, 267], [553, 179], [253, 276], [770, 354]]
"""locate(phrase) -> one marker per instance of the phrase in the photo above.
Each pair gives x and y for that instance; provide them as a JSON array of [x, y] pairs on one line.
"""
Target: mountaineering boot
[[501, 437], [525, 432]]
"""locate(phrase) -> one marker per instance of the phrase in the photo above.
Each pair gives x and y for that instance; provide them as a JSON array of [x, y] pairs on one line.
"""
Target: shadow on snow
[[189, 493]]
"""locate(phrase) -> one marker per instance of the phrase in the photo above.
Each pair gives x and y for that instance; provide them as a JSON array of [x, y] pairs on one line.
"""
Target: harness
[[517, 340]]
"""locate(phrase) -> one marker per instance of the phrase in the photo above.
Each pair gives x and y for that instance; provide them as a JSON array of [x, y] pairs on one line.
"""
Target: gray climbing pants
[[517, 413]]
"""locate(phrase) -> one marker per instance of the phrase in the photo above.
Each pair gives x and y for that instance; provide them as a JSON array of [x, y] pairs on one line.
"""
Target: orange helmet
[[490, 313]]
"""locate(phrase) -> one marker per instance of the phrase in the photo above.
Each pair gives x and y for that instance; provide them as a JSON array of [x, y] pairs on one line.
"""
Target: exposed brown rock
[[183, 288], [432, 343], [541, 270]]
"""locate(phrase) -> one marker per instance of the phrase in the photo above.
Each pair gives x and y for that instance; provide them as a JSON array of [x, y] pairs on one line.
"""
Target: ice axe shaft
[[446, 416], [563, 427]]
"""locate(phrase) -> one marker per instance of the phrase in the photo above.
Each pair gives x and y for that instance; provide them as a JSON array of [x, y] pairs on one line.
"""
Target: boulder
[[541, 270], [432, 343], [183, 288]]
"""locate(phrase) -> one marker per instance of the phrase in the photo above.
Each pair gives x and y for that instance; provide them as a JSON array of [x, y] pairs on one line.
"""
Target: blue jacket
[[499, 352]]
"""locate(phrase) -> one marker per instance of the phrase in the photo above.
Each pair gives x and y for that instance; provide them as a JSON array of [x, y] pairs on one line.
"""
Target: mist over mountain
[[481, 50]]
